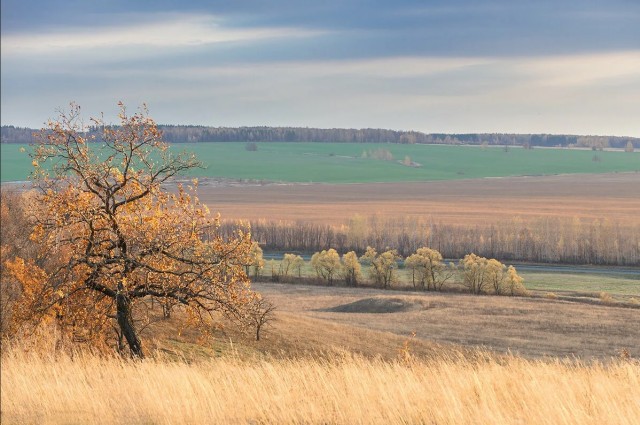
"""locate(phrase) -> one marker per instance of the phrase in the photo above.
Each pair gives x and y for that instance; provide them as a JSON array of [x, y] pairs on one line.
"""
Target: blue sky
[[564, 66]]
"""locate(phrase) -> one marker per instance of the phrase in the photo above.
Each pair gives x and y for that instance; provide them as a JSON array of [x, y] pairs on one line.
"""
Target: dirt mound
[[379, 305]]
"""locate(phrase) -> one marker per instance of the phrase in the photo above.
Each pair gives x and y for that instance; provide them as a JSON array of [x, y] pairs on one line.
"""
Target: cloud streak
[[170, 32]]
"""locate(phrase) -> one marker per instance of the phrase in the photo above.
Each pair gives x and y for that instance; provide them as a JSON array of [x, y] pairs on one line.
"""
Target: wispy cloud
[[169, 31]]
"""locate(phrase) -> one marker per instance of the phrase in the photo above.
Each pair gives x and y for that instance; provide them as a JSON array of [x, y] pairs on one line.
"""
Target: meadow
[[335, 355], [345, 390], [344, 162]]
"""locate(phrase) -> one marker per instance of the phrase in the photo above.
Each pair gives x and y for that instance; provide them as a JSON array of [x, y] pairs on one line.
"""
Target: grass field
[[343, 162], [532, 327], [348, 390]]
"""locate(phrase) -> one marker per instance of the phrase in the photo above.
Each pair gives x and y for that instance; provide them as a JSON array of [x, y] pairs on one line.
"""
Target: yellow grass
[[348, 390]]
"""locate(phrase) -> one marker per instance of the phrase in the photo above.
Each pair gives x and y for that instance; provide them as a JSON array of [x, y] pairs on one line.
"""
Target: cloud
[[577, 94], [170, 31]]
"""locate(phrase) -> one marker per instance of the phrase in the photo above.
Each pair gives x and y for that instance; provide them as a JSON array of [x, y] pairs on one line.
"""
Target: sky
[[457, 66]]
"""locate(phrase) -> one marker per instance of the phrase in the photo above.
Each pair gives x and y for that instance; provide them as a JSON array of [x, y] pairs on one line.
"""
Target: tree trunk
[[125, 321]]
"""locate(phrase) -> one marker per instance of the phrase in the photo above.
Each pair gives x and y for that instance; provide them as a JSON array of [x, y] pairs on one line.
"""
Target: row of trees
[[552, 240], [199, 134], [478, 275]]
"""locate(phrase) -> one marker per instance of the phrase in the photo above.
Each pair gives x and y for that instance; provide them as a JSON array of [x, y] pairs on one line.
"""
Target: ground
[[480, 201], [531, 327], [321, 320]]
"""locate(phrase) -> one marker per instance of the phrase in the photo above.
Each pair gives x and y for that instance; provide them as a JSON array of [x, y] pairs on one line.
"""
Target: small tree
[[496, 275], [428, 270], [382, 266], [415, 264], [115, 237], [256, 261], [291, 262], [260, 313], [326, 264], [515, 283], [351, 268], [474, 273]]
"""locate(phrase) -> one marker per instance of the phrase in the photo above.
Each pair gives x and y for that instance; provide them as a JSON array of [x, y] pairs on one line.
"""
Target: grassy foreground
[[347, 390]]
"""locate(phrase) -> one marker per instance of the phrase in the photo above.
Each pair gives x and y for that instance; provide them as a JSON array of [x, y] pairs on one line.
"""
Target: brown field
[[481, 201], [531, 327]]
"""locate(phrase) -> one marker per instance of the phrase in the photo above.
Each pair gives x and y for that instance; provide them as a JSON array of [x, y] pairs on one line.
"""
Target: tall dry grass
[[348, 390]]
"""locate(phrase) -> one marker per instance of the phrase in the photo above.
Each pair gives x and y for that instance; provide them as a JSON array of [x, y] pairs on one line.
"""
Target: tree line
[[201, 134], [429, 272], [545, 240]]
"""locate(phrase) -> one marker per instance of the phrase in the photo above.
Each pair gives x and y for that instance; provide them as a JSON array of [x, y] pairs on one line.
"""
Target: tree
[[119, 238], [291, 262], [261, 312], [474, 273], [428, 270], [496, 275], [326, 264], [382, 266], [629, 147], [256, 263], [351, 268], [480, 274], [14, 242], [515, 283]]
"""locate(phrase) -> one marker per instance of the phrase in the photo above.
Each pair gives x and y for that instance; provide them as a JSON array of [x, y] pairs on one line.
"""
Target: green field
[[343, 162]]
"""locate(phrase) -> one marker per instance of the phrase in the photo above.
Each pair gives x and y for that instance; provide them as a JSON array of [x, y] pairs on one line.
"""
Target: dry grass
[[347, 390], [532, 327]]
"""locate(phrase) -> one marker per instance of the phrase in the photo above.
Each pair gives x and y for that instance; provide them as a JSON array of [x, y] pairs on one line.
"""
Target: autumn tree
[[428, 271], [351, 268], [14, 242], [289, 263], [496, 274], [118, 237], [474, 273], [256, 263], [381, 266], [326, 263], [515, 283], [481, 275]]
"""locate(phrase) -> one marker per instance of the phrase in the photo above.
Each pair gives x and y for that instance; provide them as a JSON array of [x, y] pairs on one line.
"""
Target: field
[[343, 162], [465, 202], [531, 327], [343, 391], [339, 355]]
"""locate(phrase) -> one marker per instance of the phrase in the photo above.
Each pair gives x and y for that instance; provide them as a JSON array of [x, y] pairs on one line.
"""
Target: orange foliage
[[117, 238]]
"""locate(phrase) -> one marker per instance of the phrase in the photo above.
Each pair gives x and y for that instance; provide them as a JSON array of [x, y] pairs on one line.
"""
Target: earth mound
[[380, 305]]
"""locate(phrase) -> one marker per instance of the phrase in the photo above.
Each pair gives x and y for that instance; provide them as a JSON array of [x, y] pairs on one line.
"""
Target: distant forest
[[202, 134]]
